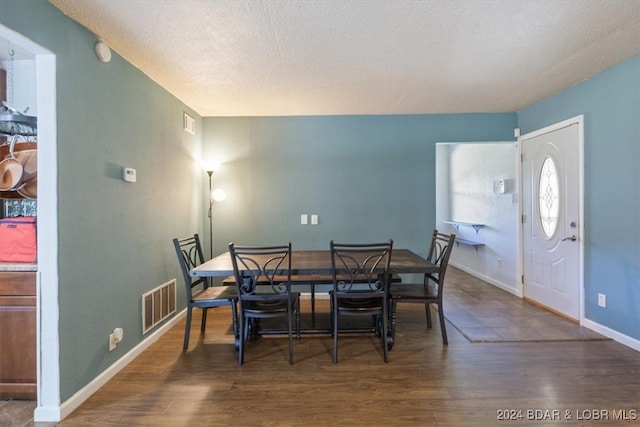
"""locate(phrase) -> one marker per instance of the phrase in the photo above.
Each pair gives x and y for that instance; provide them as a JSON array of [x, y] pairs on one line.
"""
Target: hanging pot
[[29, 189], [13, 173]]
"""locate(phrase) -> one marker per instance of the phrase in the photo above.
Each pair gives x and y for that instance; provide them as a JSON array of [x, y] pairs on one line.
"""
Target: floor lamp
[[216, 195], [210, 173]]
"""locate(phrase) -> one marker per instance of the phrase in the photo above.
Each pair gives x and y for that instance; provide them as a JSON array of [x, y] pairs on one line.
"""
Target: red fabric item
[[18, 239]]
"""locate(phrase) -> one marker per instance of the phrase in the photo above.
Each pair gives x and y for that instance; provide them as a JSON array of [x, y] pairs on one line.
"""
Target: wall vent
[[189, 124], [158, 304]]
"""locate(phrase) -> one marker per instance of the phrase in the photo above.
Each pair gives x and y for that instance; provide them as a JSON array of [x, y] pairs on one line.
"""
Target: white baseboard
[[54, 414], [614, 335], [47, 414], [504, 286]]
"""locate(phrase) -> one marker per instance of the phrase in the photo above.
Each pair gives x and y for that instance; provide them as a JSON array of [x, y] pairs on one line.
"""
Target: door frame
[[579, 120], [48, 407]]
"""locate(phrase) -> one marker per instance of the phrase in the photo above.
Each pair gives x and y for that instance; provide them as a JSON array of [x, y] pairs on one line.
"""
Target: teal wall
[[114, 237], [610, 103], [369, 178]]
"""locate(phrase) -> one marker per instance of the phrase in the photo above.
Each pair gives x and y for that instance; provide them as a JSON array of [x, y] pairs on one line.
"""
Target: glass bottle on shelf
[[19, 207]]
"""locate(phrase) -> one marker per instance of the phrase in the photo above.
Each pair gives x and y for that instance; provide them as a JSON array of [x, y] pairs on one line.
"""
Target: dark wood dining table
[[317, 262], [308, 263]]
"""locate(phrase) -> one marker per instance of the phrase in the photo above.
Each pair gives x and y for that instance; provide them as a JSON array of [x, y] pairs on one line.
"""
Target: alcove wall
[[477, 188]]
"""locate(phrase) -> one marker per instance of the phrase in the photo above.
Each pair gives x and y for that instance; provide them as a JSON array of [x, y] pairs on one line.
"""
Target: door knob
[[572, 238]]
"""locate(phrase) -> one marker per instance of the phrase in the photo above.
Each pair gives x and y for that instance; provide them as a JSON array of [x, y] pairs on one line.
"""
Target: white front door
[[552, 215]]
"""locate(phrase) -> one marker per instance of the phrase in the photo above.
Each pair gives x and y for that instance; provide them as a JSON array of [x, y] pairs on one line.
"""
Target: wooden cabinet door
[[17, 335]]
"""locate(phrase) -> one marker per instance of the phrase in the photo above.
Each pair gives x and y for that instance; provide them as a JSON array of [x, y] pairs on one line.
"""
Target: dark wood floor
[[424, 383]]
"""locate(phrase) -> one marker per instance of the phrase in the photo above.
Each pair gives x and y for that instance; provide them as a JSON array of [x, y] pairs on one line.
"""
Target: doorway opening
[[47, 338], [477, 199]]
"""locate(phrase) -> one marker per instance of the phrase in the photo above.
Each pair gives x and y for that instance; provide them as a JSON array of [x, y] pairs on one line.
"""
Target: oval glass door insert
[[548, 197]]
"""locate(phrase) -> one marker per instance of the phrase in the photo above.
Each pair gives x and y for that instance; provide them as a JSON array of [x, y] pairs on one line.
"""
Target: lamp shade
[[210, 166], [218, 195]]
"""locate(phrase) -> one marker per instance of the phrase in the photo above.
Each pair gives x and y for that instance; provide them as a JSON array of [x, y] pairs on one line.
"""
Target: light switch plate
[[129, 174]]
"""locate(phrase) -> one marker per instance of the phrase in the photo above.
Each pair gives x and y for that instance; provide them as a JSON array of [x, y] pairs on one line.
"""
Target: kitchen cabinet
[[18, 334]]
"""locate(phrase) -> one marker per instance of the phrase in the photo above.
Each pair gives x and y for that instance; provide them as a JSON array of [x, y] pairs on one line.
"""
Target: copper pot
[[18, 169], [29, 190]]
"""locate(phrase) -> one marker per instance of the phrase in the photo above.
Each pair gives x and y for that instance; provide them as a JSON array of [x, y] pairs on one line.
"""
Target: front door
[[551, 220]]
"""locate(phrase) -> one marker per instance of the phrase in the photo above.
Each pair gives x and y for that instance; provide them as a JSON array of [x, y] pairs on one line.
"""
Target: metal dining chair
[[360, 280], [198, 292], [263, 283], [431, 289]]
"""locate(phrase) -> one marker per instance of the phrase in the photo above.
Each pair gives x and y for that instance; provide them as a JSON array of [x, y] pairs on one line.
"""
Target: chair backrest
[[439, 252], [360, 266], [261, 265], [189, 252]]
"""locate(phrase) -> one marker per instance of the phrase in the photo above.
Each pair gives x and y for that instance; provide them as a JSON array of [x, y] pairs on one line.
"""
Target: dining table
[[317, 262], [315, 266]]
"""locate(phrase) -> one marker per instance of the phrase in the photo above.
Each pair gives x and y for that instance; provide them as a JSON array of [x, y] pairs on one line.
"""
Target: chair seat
[[417, 291], [358, 305], [268, 307], [216, 293]]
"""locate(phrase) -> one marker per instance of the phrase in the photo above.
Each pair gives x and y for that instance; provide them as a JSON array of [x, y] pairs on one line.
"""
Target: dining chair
[[263, 283], [360, 280], [199, 293], [431, 289]]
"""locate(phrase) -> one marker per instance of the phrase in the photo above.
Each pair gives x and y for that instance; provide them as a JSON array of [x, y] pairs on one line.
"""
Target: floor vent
[[158, 304]]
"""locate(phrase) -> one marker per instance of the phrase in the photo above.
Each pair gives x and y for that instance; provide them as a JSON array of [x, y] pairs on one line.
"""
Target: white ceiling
[[326, 57]]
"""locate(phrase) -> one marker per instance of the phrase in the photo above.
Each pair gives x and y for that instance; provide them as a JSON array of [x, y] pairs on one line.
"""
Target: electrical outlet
[[115, 337], [602, 300], [499, 262], [112, 342]]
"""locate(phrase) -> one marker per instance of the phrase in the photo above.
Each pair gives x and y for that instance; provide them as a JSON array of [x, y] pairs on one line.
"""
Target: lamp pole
[[210, 172]]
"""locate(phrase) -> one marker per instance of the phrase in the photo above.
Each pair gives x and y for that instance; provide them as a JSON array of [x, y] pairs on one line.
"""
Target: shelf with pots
[[18, 154]]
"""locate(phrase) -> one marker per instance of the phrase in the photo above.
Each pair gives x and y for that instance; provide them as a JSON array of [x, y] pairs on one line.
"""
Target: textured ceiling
[[326, 57]]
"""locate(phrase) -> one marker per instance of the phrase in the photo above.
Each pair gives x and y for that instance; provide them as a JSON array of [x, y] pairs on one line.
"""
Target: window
[[548, 197]]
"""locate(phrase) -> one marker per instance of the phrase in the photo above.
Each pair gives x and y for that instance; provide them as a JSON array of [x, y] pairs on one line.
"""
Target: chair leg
[[234, 317], [203, 324], [427, 310], [187, 329], [244, 326], [331, 314], [394, 305], [383, 333], [443, 327], [313, 303], [290, 336], [298, 322], [335, 335]]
